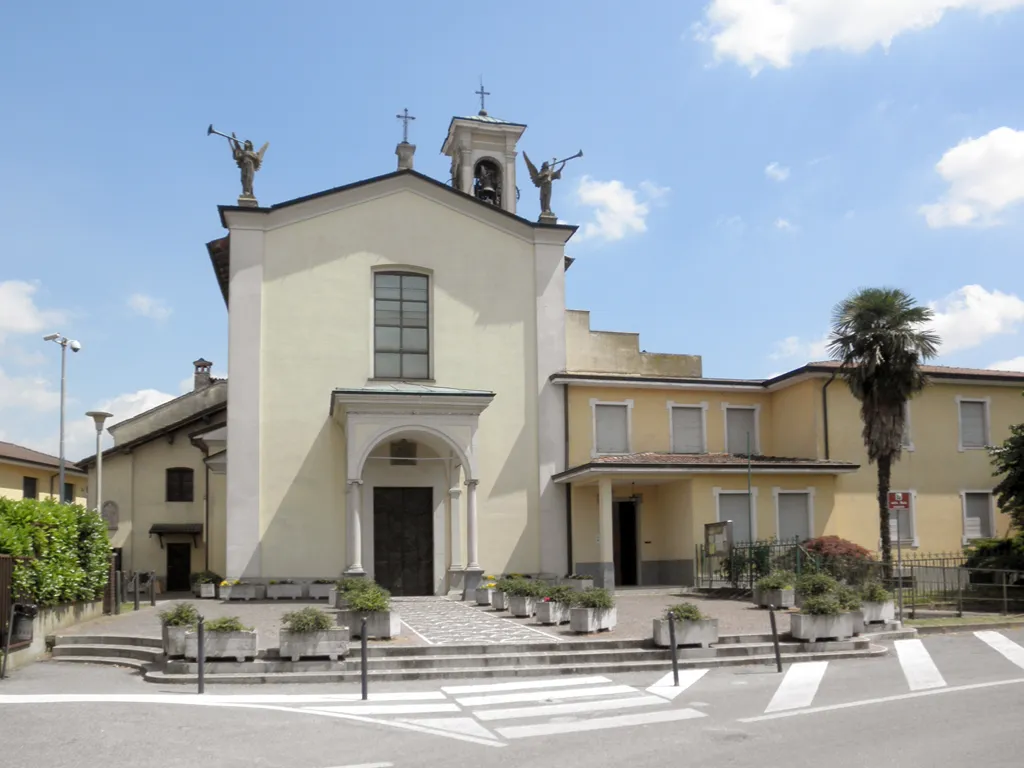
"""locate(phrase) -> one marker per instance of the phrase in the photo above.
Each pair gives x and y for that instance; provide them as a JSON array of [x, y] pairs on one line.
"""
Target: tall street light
[[99, 417], [64, 343]]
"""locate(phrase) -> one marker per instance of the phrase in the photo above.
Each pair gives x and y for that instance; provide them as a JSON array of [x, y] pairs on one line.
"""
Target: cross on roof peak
[[482, 93], [405, 117]]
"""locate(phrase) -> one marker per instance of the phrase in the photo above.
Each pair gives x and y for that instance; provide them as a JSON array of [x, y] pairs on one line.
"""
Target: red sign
[[899, 500]]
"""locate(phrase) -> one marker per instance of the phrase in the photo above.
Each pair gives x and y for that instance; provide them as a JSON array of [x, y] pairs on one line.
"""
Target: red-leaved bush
[[833, 546]]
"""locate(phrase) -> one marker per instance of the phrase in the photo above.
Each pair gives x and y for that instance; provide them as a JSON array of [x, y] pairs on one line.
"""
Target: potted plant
[[236, 589], [522, 597], [877, 604], [578, 583], [692, 627], [553, 607], [814, 585], [593, 611], [821, 616], [499, 597], [774, 589], [849, 602], [309, 633], [320, 589], [284, 589], [373, 602], [344, 586], [485, 590], [224, 638], [204, 584], [174, 623]]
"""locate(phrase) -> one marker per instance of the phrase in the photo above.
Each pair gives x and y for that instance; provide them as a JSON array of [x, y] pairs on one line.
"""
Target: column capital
[[472, 483], [455, 492]]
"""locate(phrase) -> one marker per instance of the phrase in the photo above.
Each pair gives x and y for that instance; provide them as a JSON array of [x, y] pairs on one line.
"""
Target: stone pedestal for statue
[[548, 217], [248, 202]]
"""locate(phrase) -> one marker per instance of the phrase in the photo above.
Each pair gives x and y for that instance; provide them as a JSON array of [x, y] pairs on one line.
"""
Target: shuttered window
[[973, 424], [739, 423], [611, 424], [735, 507], [687, 430], [400, 326], [794, 510], [977, 516]]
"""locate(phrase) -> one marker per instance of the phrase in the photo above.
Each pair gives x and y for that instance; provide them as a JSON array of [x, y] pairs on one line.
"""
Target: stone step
[[105, 661], [464, 649], [141, 653], [122, 640]]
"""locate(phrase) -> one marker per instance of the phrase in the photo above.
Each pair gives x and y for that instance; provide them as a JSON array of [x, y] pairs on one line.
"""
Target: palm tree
[[879, 336]]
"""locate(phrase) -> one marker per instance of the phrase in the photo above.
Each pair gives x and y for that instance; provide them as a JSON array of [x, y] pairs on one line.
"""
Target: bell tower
[[483, 152]]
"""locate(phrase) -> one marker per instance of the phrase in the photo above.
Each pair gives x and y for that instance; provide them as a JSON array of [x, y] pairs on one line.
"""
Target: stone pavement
[[447, 622]]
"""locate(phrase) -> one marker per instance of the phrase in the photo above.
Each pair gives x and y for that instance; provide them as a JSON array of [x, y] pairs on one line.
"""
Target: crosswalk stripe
[[387, 709], [572, 693], [569, 708], [598, 723], [799, 686], [1004, 645], [496, 687], [666, 688], [918, 667]]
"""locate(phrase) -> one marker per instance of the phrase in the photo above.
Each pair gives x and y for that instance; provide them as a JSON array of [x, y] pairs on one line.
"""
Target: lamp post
[[64, 343], [99, 417]]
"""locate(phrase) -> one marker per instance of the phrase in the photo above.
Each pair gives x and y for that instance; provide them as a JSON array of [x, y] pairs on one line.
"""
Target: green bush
[[848, 597], [821, 605], [558, 594], [226, 624], [874, 592], [815, 585], [68, 547], [524, 588], [371, 599], [777, 580], [594, 598], [181, 615], [205, 577], [507, 583], [350, 584], [309, 619], [1000, 554], [685, 612]]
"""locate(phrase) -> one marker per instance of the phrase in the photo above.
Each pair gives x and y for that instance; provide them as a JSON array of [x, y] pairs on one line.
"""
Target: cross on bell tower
[[405, 150], [482, 93]]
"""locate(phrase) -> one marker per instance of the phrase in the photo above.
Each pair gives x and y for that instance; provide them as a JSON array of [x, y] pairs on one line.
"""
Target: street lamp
[[64, 342], [99, 417]]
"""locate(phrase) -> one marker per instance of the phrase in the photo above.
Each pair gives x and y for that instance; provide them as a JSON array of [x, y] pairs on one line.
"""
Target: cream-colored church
[[409, 398]]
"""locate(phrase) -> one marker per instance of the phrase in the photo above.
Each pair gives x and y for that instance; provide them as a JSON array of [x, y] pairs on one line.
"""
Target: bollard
[[7, 642], [775, 638], [959, 596], [362, 671], [1006, 604], [118, 591], [675, 651], [152, 587], [201, 653], [135, 589]]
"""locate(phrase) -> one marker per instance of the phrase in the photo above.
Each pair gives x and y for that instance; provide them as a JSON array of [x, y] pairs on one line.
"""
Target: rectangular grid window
[[179, 484], [400, 326]]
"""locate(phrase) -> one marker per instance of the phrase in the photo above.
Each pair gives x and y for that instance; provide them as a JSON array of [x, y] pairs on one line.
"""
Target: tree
[[879, 337], [1008, 459]]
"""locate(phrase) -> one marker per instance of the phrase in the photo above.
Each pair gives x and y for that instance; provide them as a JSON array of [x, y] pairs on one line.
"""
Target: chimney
[[202, 374], [405, 151]]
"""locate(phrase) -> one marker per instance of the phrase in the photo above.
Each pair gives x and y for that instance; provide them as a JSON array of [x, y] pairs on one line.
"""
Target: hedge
[[67, 545]]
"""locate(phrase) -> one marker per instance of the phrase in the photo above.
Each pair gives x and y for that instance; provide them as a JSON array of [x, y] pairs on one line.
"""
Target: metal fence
[[745, 563], [7, 598]]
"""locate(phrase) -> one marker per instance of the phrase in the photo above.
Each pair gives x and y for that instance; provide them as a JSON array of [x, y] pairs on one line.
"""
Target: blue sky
[[747, 164]]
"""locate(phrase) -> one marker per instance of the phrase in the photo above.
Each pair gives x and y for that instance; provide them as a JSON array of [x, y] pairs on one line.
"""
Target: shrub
[[576, 577], [205, 577], [821, 605], [1002, 554], [371, 599], [323, 581], [594, 598], [842, 559], [226, 624], [815, 585], [560, 594], [874, 592], [684, 612], [524, 588], [506, 583], [349, 584], [833, 546], [67, 549], [777, 580], [309, 619], [181, 615], [848, 597]]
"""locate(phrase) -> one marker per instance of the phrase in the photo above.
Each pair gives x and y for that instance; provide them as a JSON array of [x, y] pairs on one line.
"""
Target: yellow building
[[28, 474]]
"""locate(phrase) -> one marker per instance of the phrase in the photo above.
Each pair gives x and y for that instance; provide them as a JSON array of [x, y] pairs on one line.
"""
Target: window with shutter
[[611, 424], [687, 430], [736, 507], [973, 424], [794, 509], [977, 516], [739, 424]]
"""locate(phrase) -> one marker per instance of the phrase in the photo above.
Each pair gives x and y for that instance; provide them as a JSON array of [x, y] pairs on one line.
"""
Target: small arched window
[[180, 484], [401, 313]]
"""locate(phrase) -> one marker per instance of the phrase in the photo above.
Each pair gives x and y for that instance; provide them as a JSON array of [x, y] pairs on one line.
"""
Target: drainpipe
[[568, 486], [824, 412], [206, 516]]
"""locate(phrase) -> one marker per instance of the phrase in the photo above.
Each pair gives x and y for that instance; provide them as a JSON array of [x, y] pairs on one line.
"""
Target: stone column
[[456, 570], [606, 567], [355, 529], [473, 569]]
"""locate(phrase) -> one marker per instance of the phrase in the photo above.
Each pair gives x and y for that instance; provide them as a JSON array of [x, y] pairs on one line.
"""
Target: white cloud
[[985, 176], [19, 313], [33, 393], [785, 225], [80, 433], [777, 172], [149, 306], [759, 33], [1015, 364], [971, 315], [618, 210], [795, 348]]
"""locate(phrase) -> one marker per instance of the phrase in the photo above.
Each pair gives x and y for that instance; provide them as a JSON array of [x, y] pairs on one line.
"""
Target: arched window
[[180, 484], [401, 326]]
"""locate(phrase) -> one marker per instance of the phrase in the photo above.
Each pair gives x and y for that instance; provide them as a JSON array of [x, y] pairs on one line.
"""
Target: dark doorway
[[625, 545], [403, 540], [179, 567]]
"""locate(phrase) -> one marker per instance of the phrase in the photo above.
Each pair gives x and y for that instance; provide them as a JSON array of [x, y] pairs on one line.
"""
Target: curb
[[949, 629]]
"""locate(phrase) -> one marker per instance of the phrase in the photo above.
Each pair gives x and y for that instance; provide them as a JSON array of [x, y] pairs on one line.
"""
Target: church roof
[[488, 119]]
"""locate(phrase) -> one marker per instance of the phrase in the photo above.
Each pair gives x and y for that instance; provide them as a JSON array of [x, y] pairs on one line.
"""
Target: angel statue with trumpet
[[247, 159], [543, 178]]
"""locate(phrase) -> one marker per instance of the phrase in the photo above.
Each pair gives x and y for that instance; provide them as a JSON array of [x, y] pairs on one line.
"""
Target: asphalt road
[[940, 701]]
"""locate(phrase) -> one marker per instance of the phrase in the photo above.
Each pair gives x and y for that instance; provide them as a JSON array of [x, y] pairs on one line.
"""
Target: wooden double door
[[403, 540]]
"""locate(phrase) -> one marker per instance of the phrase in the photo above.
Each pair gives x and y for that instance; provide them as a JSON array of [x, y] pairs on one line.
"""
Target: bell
[[487, 194]]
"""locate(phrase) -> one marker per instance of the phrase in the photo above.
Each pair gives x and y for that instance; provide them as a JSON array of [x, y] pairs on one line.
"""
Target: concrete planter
[[586, 620], [701, 633], [321, 592], [499, 601], [238, 592], [332, 643], [206, 591], [522, 606], [878, 613], [579, 585], [483, 596], [174, 640], [551, 612], [284, 591], [780, 598], [382, 625], [857, 620], [261, 591], [810, 628], [223, 645]]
